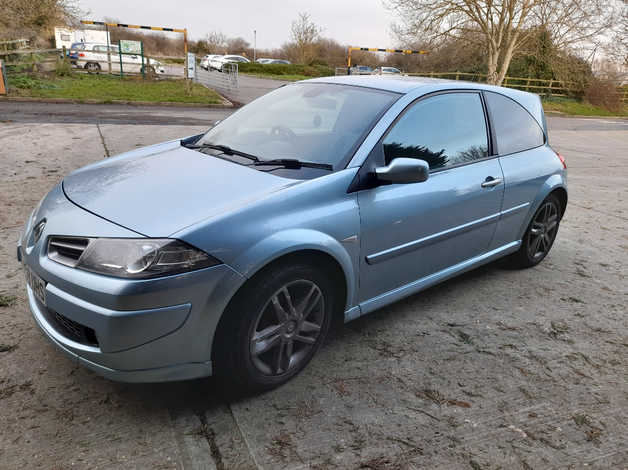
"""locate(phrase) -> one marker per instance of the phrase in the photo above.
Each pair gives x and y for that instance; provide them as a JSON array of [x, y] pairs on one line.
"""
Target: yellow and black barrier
[[375, 49], [135, 26], [151, 28]]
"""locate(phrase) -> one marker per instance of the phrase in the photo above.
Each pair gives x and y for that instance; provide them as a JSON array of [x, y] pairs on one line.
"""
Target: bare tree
[[618, 47], [503, 26], [238, 45], [305, 34], [214, 42]]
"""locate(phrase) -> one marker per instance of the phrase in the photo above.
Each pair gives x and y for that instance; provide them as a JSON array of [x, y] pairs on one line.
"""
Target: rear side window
[[444, 130], [515, 128]]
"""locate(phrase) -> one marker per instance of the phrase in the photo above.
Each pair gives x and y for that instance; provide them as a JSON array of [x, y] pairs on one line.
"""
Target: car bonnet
[[164, 188]]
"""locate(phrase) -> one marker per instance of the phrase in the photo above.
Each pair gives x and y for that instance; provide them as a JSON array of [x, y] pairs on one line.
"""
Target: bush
[[287, 69], [63, 68], [319, 62], [27, 82], [604, 93]]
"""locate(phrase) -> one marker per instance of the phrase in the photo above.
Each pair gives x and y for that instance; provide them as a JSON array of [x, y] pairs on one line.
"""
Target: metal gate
[[225, 82]]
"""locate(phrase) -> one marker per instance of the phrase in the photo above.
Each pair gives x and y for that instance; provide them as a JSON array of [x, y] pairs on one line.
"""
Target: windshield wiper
[[224, 149], [290, 163], [293, 164]]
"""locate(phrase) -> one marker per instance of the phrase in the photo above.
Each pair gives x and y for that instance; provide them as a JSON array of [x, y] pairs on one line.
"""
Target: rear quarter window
[[515, 128]]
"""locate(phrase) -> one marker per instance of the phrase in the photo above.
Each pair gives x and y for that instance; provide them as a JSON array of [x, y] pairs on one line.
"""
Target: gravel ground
[[495, 369]]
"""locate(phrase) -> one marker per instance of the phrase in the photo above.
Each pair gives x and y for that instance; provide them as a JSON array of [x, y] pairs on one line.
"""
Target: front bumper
[[127, 330]]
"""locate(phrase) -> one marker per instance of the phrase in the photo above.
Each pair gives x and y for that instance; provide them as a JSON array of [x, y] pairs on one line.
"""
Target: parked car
[[205, 61], [272, 61], [218, 62], [387, 71], [361, 70], [324, 199], [93, 58], [74, 50]]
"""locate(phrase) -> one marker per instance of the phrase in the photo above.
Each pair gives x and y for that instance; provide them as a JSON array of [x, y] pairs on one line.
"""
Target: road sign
[[130, 47], [191, 65]]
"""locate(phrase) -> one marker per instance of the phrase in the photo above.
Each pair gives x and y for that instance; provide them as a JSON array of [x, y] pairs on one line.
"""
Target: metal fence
[[225, 82], [45, 60]]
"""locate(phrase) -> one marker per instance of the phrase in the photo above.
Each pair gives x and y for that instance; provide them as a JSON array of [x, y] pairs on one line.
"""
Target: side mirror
[[403, 170]]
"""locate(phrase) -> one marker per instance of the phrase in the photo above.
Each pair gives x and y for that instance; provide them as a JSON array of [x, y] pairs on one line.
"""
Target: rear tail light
[[562, 160], [80, 54]]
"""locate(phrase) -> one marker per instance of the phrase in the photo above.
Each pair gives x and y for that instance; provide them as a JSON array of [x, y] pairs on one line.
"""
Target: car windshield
[[317, 122]]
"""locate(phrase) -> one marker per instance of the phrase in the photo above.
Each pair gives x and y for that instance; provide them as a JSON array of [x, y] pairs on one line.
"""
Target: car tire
[[539, 236], [150, 70], [261, 345], [92, 67]]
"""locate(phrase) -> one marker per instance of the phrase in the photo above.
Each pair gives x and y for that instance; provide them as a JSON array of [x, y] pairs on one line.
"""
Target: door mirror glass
[[403, 170]]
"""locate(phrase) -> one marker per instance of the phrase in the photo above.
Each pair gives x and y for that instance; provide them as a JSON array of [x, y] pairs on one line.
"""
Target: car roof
[[405, 84], [98, 44]]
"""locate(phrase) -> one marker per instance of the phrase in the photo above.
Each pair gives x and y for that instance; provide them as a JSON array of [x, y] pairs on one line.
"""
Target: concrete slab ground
[[495, 369]]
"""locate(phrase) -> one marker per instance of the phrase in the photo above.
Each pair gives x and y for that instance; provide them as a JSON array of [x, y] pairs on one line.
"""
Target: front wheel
[[540, 235], [274, 326]]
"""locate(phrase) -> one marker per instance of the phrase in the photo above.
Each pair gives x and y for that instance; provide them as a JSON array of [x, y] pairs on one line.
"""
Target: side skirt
[[400, 292]]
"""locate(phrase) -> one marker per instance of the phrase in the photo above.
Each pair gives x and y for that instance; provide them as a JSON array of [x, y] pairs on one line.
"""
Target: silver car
[[93, 58], [234, 251]]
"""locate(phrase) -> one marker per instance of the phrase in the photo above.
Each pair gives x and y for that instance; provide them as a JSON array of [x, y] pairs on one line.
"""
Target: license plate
[[36, 283]]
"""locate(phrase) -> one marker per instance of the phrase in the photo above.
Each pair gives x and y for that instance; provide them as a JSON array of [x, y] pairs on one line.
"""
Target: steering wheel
[[283, 132]]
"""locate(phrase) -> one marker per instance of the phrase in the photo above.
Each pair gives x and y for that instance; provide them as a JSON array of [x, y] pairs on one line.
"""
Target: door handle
[[490, 182]]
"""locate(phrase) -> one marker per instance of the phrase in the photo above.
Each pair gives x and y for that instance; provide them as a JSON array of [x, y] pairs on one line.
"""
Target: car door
[[526, 161], [99, 54], [410, 231]]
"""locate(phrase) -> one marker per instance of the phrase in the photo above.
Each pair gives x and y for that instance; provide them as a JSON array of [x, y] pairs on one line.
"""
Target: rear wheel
[[540, 235], [148, 69], [274, 326], [92, 67]]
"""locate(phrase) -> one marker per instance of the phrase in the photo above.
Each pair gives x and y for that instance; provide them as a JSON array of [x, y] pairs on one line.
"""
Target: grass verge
[[109, 88], [573, 107]]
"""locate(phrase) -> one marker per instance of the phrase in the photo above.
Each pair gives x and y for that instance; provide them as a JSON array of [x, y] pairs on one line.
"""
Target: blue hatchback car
[[232, 252]]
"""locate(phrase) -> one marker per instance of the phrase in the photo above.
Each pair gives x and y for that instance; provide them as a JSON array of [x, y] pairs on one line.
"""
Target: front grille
[[67, 250], [71, 329]]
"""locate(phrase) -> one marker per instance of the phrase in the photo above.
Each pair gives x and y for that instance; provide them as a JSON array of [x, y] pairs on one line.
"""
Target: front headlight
[[141, 258]]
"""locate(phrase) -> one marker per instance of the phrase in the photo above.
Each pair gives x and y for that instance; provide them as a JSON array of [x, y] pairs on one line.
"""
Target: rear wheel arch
[[561, 195]]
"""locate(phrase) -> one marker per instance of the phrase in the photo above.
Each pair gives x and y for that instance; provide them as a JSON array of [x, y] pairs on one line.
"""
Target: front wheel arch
[[320, 259]]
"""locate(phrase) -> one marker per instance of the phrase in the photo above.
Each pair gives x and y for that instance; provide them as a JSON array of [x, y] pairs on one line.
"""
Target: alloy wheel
[[287, 327], [543, 231]]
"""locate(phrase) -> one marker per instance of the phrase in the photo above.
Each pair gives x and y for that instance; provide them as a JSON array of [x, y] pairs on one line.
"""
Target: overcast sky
[[364, 23]]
